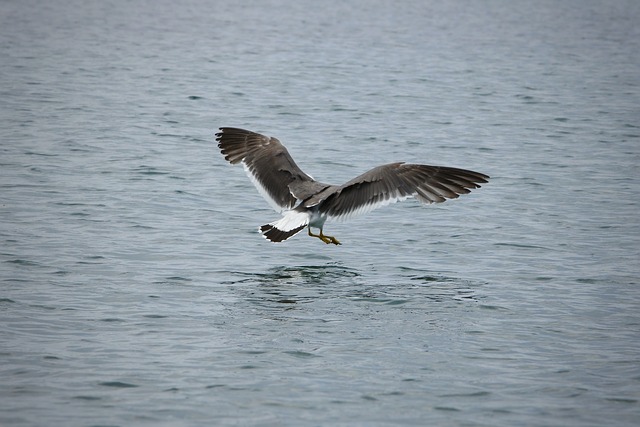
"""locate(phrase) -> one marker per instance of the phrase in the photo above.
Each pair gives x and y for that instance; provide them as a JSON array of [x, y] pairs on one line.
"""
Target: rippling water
[[136, 289]]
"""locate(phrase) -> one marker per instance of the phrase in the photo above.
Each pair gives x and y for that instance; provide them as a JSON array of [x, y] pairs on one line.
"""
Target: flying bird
[[305, 202]]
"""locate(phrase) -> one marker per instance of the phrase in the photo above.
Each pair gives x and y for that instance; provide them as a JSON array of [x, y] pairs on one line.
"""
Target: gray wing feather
[[266, 161], [397, 181]]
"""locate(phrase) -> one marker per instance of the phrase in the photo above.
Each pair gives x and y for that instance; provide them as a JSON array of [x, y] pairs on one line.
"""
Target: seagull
[[305, 202]]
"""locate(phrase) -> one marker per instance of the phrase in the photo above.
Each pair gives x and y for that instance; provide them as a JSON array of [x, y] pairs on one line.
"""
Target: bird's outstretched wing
[[397, 181], [266, 161]]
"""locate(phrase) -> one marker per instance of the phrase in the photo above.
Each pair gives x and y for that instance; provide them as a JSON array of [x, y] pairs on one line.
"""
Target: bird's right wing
[[398, 181], [266, 161]]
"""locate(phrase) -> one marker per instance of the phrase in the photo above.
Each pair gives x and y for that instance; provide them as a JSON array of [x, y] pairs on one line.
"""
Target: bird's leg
[[326, 239]]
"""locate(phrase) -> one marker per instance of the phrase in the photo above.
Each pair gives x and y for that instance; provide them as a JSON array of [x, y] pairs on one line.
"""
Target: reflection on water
[[291, 285], [303, 284]]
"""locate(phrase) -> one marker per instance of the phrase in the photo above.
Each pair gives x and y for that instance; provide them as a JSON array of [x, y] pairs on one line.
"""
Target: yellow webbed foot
[[324, 238], [332, 240]]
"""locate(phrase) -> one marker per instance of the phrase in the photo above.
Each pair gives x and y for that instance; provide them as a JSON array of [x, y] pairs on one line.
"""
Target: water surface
[[137, 291]]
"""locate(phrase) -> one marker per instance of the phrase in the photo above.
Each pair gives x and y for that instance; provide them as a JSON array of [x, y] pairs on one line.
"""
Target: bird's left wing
[[397, 181], [266, 161]]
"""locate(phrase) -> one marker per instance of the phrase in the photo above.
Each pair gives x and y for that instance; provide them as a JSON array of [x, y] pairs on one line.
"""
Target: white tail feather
[[291, 220], [291, 223]]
